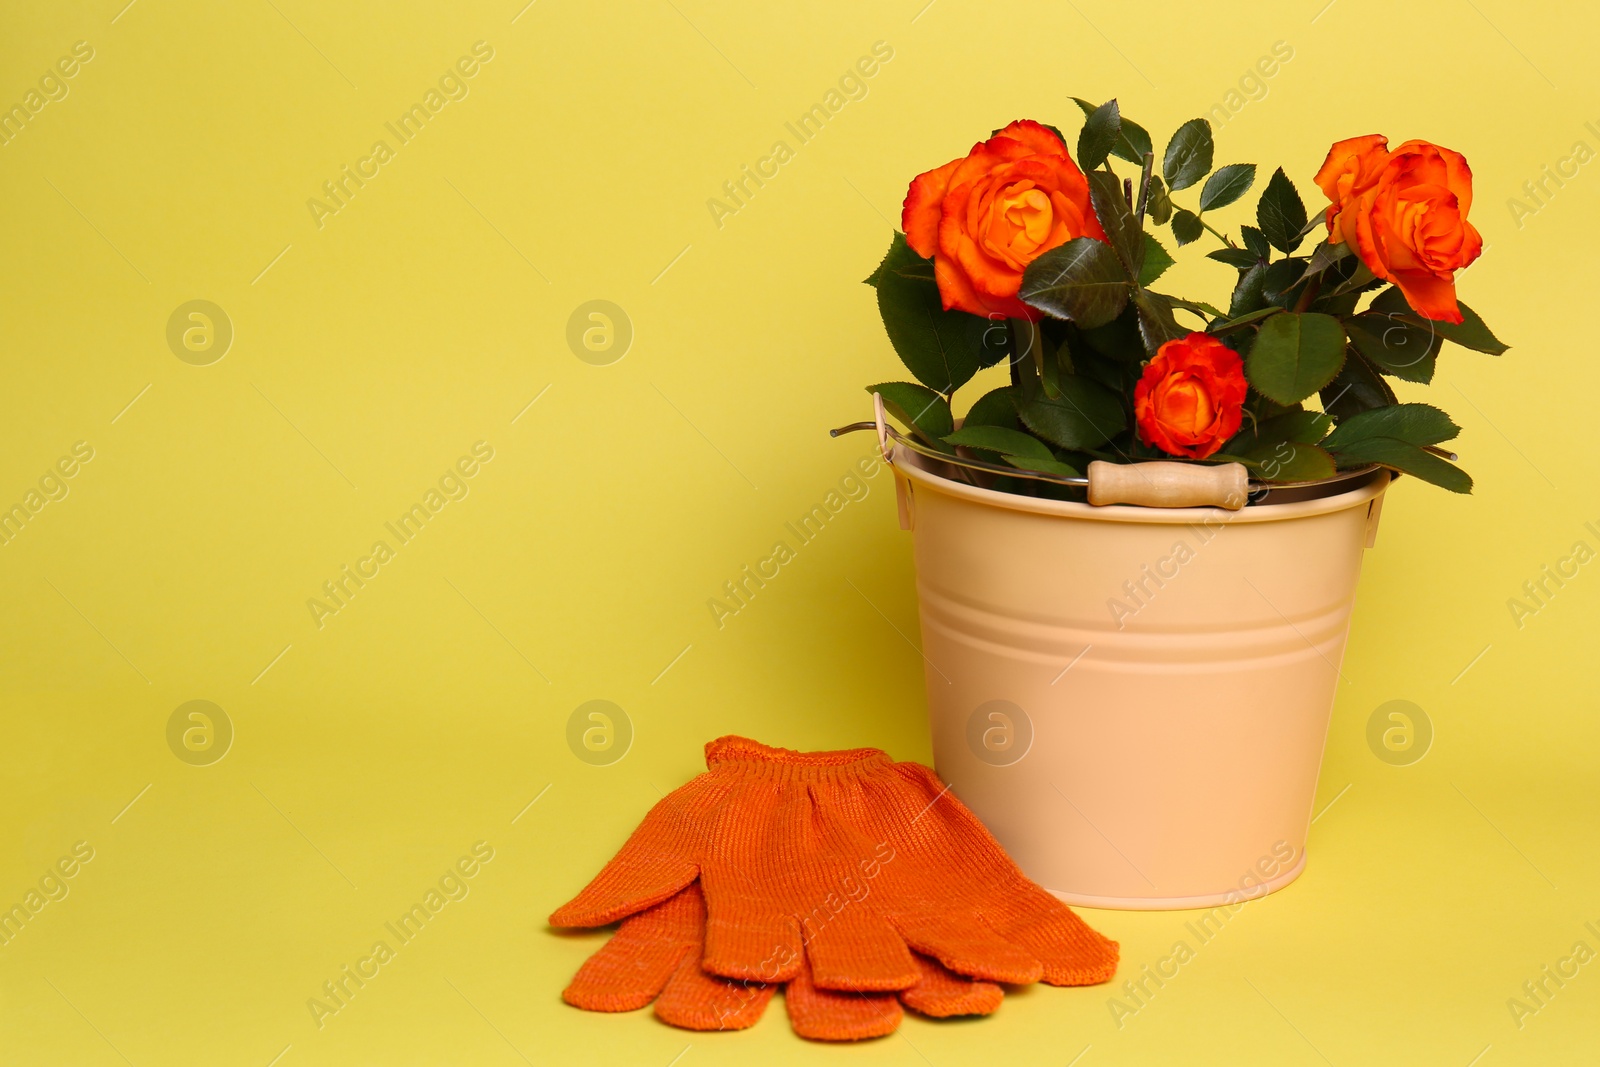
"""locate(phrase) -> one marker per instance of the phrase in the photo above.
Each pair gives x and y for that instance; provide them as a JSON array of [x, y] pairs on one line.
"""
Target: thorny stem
[[1144, 185], [1309, 293]]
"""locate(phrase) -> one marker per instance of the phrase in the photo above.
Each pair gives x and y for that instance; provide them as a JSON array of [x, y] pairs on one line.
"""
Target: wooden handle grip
[[1163, 484]]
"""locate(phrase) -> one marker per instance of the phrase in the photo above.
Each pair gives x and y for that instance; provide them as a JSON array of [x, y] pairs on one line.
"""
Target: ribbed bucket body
[[1135, 700]]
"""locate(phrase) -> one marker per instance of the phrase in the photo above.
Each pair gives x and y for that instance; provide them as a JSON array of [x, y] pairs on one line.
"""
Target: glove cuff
[[752, 757]]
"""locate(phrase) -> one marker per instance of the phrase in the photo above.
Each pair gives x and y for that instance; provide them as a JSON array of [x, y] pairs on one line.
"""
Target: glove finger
[[828, 1015], [658, 859], [754, 947], [856, 950], [1072, 952], [695, 1000], [967, 945], [631, 969], [942, 993]]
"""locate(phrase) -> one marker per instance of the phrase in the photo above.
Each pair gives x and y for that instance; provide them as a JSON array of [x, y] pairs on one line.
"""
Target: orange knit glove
[[846, 860], [655, 955]]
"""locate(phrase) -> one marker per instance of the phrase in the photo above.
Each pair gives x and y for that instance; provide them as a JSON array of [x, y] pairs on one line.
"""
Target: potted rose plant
[[1136, 560]]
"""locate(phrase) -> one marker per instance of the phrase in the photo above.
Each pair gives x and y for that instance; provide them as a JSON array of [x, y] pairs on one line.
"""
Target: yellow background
[[425, 716]]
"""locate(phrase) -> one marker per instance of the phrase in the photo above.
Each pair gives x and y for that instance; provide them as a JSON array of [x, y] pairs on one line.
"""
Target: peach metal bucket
[[1135, 700]]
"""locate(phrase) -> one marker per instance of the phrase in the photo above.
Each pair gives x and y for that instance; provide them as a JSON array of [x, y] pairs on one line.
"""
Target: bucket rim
[[910, 465]]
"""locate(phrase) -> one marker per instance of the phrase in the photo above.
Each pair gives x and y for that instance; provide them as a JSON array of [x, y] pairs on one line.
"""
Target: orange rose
[[1191, 397], [982, 219], [1405, 214]]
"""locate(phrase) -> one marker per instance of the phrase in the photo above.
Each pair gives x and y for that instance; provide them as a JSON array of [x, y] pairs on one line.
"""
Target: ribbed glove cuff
[[754, 758]]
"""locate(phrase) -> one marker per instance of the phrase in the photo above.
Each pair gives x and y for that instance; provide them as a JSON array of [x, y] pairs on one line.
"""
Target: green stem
[[1224, 238]]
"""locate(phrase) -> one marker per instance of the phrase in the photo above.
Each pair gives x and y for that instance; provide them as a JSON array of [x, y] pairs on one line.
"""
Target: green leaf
[[1186, 226], [999, 439], [1256, 241], [1360, 278], [1123, 231], [1403, 456], [1197, 306], [1415, 424], [919, 407], [1299, 427], [1225, 325], [942, 349], [1133, 140], [1159, 204], [1290, 461], [1242, 258], [1156, 260], [1100, 131], [1281, 213], [901, 261], [1326, 255], [1047, 466], [1247, 293], [1280, 278], [1118, 339], [1188, 157], [1156, 324], [1082, 281], [998, 407], [1087, 415], [1294, 355], [1394, 345], [1471, 333], [1358, 388], [1228, 184]]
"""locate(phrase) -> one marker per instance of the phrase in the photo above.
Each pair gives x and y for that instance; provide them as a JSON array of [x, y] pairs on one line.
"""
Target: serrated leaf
[[1226, 325], [1123, 231], [1416, 424], [1358, 388], [998, 407], [942, 349], [1099, 134], [1241, 258], [1156, 260], [1188, 156], [1280, 278], [1403, 456], [1255, 241], [999, 439], [1156, 324], [1290, 461], [1294, 355], [1300, 427], [1326, 255], [1082, 281], [1086, 416], [1394, 345], [1045, 466], [1470, 333], [1186, 226], [1198, 306], [1133, 140], [1159, 204], [1281, 213], [1247, 296], [919, 408], [1228, 184]]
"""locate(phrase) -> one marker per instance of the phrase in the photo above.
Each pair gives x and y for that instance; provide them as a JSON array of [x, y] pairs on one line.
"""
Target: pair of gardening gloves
[[859, 883]]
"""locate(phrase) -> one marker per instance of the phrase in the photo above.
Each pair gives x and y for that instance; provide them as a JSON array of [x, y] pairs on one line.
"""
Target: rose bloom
[[985, 217], [1191, 397], [1405, 214]]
